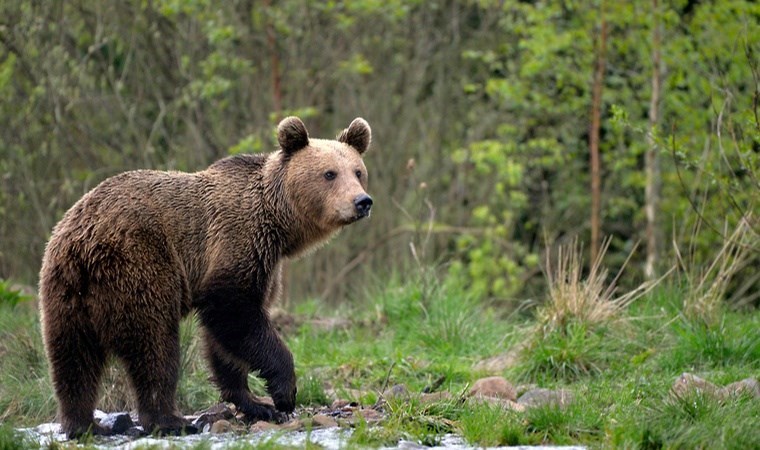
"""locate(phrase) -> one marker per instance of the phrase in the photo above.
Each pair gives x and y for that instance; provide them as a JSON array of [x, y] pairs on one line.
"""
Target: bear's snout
[[363, 205]]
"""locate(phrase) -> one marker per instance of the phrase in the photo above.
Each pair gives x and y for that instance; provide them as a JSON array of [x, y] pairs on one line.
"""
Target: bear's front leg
[[241, 341], [231, 377]]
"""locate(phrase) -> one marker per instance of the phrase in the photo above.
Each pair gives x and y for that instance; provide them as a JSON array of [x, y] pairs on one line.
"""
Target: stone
[[497, 387], [370, 415], [217, 412], [435, 397], [397, 391], [117, 423], [340, 404], [221, 426], [292, 425], [688, 383], [542, 397], [261, 426], [523, 388], [324, 421], [747, 386]]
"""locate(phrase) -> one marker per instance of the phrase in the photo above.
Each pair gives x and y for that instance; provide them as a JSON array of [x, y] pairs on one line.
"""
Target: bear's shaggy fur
[[144, 248]]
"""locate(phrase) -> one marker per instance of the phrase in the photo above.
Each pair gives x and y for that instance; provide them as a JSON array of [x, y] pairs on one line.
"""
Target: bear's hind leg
[[151, 356], [76, 365], [153, 371]]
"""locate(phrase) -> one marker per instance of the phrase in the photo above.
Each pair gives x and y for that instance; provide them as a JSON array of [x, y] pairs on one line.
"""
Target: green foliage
[[697, 420], [724, 344], [10, 295], [569, 353], [374, 437], [620, 375], [311, 392], [11, 439], [440, 317], [490, 426], [194, 389], [493, 115], [491, 262], [26, 393]]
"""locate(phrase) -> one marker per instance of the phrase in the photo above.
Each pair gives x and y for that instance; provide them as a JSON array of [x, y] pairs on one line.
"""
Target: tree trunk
[[596, 113], [652, 189], [275, 63]]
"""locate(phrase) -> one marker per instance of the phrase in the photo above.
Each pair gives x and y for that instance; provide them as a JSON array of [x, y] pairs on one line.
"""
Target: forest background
[[499, 127]]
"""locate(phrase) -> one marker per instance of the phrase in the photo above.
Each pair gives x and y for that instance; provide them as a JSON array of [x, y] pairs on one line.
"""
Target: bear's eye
[[358, 174], [330, 175]]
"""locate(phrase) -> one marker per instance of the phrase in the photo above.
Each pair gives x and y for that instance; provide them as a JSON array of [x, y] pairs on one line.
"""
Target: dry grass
[[588, 300], [707, 287]]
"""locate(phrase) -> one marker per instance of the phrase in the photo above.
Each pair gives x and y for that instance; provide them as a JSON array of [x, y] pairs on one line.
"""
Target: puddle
[[328, 438]]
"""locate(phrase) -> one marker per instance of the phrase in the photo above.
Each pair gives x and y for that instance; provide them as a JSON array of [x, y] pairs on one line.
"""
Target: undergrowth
[[428, 335]]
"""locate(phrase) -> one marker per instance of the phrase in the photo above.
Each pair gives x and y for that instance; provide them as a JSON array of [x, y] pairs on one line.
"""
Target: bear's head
[[326, 180]]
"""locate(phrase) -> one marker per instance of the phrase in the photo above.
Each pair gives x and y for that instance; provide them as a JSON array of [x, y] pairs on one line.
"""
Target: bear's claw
[[255, 411]]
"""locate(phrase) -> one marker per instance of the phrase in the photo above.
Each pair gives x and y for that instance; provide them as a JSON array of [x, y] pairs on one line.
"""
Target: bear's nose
[[363, 204]]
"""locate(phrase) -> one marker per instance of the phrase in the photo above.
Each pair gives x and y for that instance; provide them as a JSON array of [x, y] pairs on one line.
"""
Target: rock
[[136, 432], [523, 388], [292, 425], [367, 415], [496, 387], [543, 397], [435, 397], [397, 391], [370, 415], [340, 404], [221, 426], [747, 386], [262, 426], [117, 423], [219, 408], [688, 383], [324, 421], [211, 415]]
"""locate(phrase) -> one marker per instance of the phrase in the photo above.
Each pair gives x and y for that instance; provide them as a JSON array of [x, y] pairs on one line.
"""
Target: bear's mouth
[[355, 218]]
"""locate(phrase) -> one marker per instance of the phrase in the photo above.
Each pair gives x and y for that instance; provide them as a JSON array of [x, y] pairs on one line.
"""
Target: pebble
[[221, 426], [262, 426], [117, 423], [497, 387], [324, 421]]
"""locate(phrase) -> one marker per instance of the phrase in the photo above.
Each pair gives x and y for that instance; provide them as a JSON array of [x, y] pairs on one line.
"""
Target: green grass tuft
[[697, 420], [10, 295], [311, 392], [728, 342], [569, 353]]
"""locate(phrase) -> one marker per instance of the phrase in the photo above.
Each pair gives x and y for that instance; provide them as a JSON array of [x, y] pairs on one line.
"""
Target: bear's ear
[[292, 135], [357, 135]]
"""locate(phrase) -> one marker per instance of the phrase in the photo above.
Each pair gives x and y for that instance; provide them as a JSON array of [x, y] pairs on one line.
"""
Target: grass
[[428, 335]]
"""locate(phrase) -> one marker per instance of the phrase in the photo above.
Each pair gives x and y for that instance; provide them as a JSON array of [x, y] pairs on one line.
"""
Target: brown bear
[[145, 248]]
